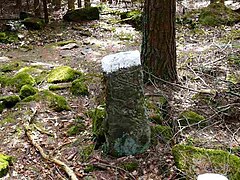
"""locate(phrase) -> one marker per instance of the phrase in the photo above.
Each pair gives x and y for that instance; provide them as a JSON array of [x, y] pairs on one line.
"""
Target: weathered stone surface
[[83, 14], [126, 129]]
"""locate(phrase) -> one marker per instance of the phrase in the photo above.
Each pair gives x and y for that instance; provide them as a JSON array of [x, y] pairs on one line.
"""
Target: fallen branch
[[65, 167]]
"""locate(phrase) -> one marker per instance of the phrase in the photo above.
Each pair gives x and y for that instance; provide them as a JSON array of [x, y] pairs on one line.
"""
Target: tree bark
[[45, 11], [37, 8], [71, 4], [159, 45], [87, 3], [19, 4]]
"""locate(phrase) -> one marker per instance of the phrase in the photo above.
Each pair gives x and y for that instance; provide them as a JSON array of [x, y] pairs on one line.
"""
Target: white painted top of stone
[[115, 62], [211, 176]]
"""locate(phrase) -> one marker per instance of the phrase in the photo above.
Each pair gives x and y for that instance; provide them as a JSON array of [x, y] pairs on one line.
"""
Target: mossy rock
[[54, 101], [9, 101], [134, 17], [193, 161], [83, 14], [21, 79], [86, 151], [3, 80], [130, 166], [218, 14], [189, 117], [12, 66], [63, 43], [26, 91], [56, 87], [33, 23], [63, 74], [5, 161], [79, 87], [162, 133], [234, 77], [8, 37], [76, 129], [205, 97]]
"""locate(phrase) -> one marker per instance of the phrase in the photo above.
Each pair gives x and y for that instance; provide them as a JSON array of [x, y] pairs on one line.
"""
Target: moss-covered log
[[126, 129]]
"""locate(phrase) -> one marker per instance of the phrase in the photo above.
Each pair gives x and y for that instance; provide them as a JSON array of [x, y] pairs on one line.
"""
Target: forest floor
[[208, 64]]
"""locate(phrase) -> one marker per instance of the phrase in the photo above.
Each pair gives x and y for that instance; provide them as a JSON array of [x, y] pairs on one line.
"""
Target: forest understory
[[208, 61]]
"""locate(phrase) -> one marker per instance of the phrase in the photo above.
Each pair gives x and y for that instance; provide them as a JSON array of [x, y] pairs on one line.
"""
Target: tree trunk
[[213, 1], [79, 3], [71, 5], [19, 4], [57, 4], [159, 44], [37, 8], [45, 11], [87, 3]]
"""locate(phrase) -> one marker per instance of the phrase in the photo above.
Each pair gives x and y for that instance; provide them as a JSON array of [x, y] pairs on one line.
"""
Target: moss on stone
[[4, 164], [130, 166], [62, 74], [205, 96], [56, 87], [193, 160], [218, 14], [33, 23], [79, 87], [83, 14], [233, 77], [86, 152], [190, 117], [75, 129], [54, 101], [9, 101], [162, 133], [21, 79], [26, 91], [3, 79], [133, 17], [63, 43], [12, 66], [8, 37]]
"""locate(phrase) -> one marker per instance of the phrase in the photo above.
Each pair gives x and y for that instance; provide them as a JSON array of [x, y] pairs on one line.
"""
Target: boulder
[[83, 14]]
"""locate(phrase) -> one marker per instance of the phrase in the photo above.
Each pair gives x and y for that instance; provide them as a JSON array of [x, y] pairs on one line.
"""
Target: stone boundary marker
[[211, 176], [126, 129]]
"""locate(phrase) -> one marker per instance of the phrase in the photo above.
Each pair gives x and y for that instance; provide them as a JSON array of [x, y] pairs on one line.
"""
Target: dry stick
[[65, 167]]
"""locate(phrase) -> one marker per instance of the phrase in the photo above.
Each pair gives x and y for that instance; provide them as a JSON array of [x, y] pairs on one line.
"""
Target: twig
[[65, 167]]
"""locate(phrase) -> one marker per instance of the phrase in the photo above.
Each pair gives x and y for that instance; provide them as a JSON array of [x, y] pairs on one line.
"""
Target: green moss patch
[[233, 77], [9, 101], [54, 101], [79, 87], [26, 91], [4, 164], [21, 79], [56, 87], [190, 117], [62, 74], [76, 128], [63, 43], [8, 37], [86, 151], [134, 18], [10, 67], [33, 23], [130, 166], [193, 161], [162, 133], [218, 14]]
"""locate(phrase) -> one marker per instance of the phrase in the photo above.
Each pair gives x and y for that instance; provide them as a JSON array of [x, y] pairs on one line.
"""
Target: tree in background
[[71, 4], [213, 1], [158, 53]]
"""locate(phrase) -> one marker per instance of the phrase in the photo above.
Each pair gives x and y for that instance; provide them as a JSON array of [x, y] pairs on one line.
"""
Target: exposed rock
[[83, 14]]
